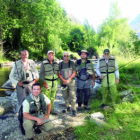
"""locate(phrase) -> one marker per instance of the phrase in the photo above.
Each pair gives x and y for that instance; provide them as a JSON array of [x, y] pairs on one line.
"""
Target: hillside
[[135, 24]]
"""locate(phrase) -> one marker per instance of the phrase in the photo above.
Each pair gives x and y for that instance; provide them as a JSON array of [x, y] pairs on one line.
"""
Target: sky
[[95, 11]]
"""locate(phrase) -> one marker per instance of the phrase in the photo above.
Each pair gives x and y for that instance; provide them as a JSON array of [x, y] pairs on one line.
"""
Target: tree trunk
[[1, 42]]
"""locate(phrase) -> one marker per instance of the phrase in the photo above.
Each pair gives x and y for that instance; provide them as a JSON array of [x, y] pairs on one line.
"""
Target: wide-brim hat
[[85, 51]]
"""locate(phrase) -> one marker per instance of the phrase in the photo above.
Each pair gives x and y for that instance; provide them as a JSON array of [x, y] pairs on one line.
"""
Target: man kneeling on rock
[[36, 111]]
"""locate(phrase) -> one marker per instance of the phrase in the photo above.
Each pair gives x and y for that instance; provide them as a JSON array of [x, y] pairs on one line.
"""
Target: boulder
[[128, 98], [98, 118], [5, 105], [125, 93], [9, 84], [8, 92]]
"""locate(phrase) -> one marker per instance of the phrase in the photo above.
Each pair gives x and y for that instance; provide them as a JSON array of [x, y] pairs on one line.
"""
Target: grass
[[123, 122]]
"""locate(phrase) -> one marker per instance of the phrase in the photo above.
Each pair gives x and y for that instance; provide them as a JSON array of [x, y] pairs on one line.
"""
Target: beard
[[84, 58]]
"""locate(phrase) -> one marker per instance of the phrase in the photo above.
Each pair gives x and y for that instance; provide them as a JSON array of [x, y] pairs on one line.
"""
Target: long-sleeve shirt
[[27, 65], [116, 71]]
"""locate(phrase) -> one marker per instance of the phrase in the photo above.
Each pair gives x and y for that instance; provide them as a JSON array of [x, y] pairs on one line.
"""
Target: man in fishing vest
[[49, 75], [36, 111], [23, 74], [84, 73], [66, 74], [107, 70]]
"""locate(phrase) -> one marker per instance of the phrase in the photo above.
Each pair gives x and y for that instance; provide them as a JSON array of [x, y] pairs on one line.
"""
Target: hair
[[65, 53], [36, 84], [24, 51]]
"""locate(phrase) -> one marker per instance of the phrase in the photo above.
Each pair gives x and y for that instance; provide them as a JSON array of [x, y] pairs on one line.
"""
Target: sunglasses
[[106, 53], [66, 55]]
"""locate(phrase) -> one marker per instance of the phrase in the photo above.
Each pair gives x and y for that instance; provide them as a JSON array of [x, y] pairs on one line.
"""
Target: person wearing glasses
[[84, 73], [49, 76], [66, 74], [107, 70], [23, 74]]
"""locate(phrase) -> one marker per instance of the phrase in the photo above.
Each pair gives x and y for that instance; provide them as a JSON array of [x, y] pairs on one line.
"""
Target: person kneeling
[[36, 111]]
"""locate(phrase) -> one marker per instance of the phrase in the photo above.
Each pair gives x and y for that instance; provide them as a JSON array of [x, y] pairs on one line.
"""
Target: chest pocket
[[48, 70], [89, 67]]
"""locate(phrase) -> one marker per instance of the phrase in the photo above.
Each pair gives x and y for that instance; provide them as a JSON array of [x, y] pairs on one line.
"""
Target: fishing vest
[[87, 70], [107, 70], [51, 70], [21, 75], [33, 107], [67, 72]]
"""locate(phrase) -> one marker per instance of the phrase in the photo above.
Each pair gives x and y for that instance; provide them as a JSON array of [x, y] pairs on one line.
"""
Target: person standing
[[107, 70], [84, 73], [36, 111], [23, 74], [66, 74], [49, 76]]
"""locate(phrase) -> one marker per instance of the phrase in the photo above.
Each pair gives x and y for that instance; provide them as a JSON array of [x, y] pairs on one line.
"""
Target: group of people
[[37, 106]]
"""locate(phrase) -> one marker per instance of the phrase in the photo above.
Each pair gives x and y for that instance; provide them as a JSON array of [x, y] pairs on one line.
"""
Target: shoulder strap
[[79, 62], [88, 61], [61, 63]]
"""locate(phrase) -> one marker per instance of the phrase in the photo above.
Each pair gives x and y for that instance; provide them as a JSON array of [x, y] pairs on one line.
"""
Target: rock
[[98, 118], [125, 93], [5, 105], [128, 98], [9, 84], [98, 121], [97, 115], [107, 108], [8, 92]]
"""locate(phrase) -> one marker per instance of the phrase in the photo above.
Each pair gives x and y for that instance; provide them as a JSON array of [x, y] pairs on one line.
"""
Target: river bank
[[63, 122]]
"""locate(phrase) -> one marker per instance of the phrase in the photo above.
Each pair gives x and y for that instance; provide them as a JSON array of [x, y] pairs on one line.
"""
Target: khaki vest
[[51, 70], [33, 107], [88, 66], [110, 67], [21, 75], [67, 72]]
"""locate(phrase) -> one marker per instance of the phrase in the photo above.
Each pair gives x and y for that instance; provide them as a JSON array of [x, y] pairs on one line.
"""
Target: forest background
[[42, 25]]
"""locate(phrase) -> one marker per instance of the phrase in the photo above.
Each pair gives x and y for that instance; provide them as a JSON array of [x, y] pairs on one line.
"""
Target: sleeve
[[11, 76], [26, 106], [117, 70], [97, 69], [42, 72], [47, 100]]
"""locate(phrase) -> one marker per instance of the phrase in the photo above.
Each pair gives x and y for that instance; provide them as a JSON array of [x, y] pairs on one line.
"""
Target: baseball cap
[[106, 50], [50, 51]]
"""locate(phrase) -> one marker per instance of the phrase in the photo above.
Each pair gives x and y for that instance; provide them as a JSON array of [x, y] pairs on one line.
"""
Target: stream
[[4, 76]]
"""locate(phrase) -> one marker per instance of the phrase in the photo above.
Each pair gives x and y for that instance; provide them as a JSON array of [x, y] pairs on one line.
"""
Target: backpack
[[20, 118]]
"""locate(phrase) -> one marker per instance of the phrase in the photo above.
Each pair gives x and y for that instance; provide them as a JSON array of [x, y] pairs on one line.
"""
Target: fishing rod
[[123, 65]]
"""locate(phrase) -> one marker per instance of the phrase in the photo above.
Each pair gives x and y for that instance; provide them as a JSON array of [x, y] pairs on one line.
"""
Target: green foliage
[[14, 55], [123, 121]]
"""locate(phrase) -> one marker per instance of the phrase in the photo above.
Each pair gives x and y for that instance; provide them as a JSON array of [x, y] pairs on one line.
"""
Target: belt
[[51, 79], [82, 79], [27, 82]]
